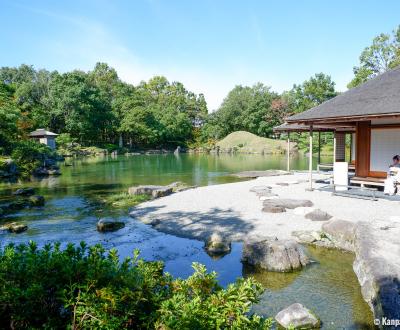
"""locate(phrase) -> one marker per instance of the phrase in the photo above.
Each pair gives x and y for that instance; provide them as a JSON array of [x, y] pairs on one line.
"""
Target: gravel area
[[233, 210]]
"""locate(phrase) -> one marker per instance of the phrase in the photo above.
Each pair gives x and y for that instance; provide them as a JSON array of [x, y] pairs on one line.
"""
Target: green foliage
[[200, 303], [83, 287], [28, 155], [9, 114], [64, 140], [124, 199], [382, 55]]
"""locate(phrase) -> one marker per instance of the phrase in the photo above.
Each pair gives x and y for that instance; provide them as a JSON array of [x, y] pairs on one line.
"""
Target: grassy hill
[[245, 142]]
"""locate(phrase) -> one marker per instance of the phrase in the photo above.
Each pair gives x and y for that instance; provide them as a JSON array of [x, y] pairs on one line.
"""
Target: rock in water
[[298, 316], [318, 215], [275, 255], [24, 192], [154, 191], [216, 244], [107, 224], [14, 227], [36, 201], [288, 203]]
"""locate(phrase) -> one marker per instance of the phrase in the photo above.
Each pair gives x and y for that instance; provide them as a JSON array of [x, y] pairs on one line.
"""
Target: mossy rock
[[107, 224], [36, 201], [18, 204], [15, 227]]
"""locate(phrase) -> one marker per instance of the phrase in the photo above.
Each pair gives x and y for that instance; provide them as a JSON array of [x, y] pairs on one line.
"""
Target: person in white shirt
[[393, 177]]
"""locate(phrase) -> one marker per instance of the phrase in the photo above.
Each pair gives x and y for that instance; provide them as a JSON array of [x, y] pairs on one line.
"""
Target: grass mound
[[246, 142]]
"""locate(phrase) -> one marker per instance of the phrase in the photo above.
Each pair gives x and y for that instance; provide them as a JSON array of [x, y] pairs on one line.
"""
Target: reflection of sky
[[70, 215]]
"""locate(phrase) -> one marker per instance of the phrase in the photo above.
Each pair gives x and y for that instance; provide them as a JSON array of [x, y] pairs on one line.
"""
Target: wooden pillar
[[288, 153], [363, 148], [310, 162], [319, 148], [334, 147]]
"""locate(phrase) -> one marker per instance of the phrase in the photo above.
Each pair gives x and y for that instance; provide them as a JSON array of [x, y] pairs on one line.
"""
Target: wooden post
[[288, 153], [310, 162], [319, 148], [334, 147]]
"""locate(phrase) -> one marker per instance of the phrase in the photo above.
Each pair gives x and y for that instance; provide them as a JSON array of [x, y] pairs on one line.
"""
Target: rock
[[154, 191], [15, 227], [18, 204], [283, 184], [108, 224], [24, 192], [152, 221], [264, 198], [180, 186], [298, 316], [303, 210], [260, 189], [272, 208], [307, 237], [341, 233], [288, 203], [318, 215], [217, 244], [275, 255], [36, 200]]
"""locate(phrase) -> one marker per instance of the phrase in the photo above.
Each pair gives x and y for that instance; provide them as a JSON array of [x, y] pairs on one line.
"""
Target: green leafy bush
[[28, 155], [83, 287], [64, 140]]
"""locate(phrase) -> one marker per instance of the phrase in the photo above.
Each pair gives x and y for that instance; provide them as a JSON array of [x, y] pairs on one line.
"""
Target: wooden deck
[[368, 181]]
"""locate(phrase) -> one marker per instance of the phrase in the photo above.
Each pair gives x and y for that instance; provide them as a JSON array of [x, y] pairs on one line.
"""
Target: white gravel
[[231, 209]]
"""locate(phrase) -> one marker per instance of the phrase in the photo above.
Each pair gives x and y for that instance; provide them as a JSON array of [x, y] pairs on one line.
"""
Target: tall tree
[[382, 55]]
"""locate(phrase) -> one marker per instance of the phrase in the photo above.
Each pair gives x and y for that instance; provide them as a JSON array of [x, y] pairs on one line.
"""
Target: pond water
[[328, 287]]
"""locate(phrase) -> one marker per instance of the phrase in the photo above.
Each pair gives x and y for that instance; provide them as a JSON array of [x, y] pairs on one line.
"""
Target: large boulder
[[297, 316], [318, 215], [272, 208], [14, 227], [18, 204], [288, 203], [24, 192], [36, 200], [151, 190], [108, 224], [341, 233], [275, 255], [217, 244]]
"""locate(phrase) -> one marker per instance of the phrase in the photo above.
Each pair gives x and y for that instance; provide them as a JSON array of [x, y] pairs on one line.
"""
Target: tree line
[[97, 107]]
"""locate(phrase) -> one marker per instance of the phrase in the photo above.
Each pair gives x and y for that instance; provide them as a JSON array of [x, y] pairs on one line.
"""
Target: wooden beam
[[288, 152], [310, 162]]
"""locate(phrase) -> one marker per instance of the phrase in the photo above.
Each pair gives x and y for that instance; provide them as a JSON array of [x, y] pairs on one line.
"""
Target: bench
[[367, 181]]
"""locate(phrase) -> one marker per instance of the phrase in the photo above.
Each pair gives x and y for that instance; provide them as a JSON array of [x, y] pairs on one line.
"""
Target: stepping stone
[[282, 184], [318, 215], [258, 189], [265, 198], [288, 203], [108, 224], [273, 209]]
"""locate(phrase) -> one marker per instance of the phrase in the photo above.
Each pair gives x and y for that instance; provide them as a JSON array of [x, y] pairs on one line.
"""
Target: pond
[[329, 287]]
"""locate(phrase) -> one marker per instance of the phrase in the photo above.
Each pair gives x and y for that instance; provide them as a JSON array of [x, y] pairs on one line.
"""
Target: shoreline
[[235, 212]]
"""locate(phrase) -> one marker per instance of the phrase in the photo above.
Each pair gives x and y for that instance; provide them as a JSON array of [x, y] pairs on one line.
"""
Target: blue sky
[[210, 46]]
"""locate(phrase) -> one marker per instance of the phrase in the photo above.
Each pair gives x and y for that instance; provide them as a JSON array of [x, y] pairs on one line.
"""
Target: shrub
[[29, 155], [64, 140], [83, 287]]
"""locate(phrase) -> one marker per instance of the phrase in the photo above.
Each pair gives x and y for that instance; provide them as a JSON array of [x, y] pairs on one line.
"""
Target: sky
[[208, 45]]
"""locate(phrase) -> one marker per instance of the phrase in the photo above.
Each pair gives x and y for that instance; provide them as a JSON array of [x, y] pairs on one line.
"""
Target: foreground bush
[[82, 287]]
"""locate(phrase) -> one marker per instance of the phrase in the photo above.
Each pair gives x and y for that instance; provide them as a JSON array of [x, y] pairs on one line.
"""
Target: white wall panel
[[385, 143]]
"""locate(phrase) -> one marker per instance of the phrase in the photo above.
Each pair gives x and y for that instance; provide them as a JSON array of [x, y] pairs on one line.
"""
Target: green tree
[[9, 116], [382, 55], [310, 93]]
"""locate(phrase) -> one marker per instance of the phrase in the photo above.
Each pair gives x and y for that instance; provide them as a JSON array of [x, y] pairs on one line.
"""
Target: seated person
[[393, 176]]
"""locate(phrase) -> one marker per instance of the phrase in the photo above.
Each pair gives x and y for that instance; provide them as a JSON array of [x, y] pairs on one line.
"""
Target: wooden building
[[371, 113], [45, 137]]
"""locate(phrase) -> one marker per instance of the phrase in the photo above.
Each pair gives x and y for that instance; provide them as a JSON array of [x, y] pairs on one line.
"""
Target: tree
[[9, 115], [382, 55], [310, 93]]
